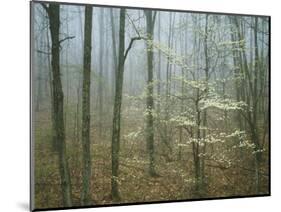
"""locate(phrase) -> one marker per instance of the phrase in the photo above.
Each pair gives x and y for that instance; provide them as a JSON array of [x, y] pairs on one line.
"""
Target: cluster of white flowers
[[222, 104], [135, 134], [258, 151], [149, 111], [195, 84], [237, 133], [212, 139], [182, 121], [230, 43], [222, 159], [244, 144], [173, 57]]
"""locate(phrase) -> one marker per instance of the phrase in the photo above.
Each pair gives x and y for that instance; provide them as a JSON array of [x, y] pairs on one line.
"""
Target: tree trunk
[[236, 72], [196, 146], [39, 82], [66, 105], [150, 19], [117, 110], [166, 137], [159, 65], [255, 133], [204, 124], [50, 79], [59, 131], [101, 77], [114, 51], [252, 98], [86, 170]]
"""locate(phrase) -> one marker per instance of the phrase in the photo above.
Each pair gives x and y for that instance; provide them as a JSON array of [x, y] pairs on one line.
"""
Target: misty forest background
[[133, 105]]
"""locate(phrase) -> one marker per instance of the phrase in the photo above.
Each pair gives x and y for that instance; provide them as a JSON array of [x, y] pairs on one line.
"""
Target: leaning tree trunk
[[59, 131], [150, 19], [86, 171]]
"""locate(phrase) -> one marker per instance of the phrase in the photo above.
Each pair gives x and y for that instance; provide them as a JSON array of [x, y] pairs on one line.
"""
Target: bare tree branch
[[42, 52], [154, 18], [45, 7], [131, 44], [66, 38], [135, 28]]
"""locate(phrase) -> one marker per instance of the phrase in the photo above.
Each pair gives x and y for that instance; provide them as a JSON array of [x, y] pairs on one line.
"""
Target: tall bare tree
[[117, 109], [116, 125], [53, 11], [86, 170], [101, 71]]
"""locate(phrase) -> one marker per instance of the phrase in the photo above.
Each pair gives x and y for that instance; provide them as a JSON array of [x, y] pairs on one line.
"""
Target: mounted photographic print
[[139, 105]]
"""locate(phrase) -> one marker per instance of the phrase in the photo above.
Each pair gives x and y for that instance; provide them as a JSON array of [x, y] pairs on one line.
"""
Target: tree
[[114, 51], [101, 74], [86, 170], [254, 126], [116, 125], [159, 63], [250, 93], [39, 79], [167, 135], [150, 21], [207, 67], [53, 11], [189, 102], [117, 109]]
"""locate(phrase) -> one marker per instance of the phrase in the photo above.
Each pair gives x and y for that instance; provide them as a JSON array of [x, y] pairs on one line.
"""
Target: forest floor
[[175, 180]]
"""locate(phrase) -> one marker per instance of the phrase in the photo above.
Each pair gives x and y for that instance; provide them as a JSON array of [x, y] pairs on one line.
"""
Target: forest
[[140, 105]]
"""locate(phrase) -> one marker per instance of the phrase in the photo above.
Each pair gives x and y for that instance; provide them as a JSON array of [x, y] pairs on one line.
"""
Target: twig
[[66, 38], [135, 28], [45, 7], [42, 52]]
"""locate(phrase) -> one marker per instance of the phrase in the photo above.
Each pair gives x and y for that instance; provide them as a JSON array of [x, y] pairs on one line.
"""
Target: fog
[[208, 103]]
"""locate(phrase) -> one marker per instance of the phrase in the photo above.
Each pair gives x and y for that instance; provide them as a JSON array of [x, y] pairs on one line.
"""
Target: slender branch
[[183, 97], [45, 7], [252, 27], [131, 44], [153, 19], [66, 38], [42, 52], [132, 22], [247, 117], [187, 129]]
